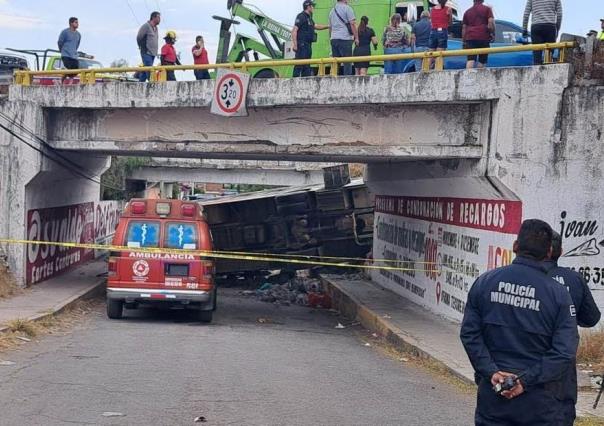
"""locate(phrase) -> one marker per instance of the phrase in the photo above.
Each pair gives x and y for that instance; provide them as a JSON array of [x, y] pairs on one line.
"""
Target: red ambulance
[[170, 278]]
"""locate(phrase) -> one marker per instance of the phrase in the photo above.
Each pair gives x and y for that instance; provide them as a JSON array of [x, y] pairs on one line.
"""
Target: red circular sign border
[[236, 107]]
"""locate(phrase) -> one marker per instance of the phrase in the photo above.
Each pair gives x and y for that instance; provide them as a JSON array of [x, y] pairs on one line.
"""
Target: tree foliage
[[113, 181]]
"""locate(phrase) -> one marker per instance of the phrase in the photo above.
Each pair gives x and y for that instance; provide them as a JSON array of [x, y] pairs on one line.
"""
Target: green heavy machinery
[[275, 38]]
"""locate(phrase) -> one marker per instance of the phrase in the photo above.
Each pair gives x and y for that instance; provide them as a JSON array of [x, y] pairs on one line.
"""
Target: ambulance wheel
[[115, 309], [206, 316], [215, 301]]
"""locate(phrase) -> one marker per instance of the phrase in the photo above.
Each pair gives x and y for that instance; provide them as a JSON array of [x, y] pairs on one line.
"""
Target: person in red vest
[[168, 53], [200, 57]]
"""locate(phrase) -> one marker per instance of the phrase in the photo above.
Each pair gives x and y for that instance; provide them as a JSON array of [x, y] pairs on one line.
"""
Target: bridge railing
[[431, 61]]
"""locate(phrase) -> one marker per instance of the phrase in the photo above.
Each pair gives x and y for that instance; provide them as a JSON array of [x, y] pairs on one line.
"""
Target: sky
[[109, 27]]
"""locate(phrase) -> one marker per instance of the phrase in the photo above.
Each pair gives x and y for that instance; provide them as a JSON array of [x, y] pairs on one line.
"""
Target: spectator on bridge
[[420, 37], [168, 53], [441, 16], [343, 31], [366, 39], [601, 35], [303, 36], [546, 21], [148, 43], [69, 43], [478, 31], [395, 42], [200, 57]]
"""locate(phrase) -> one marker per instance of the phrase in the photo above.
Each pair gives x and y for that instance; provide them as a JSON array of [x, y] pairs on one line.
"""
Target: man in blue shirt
[[420, 37], [588, 314], [518, 326], [69, 43]]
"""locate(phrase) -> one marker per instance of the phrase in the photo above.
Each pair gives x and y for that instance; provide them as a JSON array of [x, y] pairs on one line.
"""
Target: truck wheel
[[115, 309], [206, 316], [215, 302]]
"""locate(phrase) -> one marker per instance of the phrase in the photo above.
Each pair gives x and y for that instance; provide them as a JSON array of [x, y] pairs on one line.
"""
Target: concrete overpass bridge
[[457, 158]]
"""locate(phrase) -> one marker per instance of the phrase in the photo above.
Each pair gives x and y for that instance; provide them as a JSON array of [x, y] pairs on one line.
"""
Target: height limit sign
[[230, 94]]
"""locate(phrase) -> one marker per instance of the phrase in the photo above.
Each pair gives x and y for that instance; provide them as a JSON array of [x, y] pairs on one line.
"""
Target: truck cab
[[160, 266]]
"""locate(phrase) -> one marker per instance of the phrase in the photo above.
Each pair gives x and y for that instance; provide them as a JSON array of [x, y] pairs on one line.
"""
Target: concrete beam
[[205, 163], [233, 176], [364, 154]]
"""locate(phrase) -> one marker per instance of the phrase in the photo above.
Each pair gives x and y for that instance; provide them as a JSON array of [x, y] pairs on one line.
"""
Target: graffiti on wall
[[442, 245], [583, 247], [106, 218], [61, 224]]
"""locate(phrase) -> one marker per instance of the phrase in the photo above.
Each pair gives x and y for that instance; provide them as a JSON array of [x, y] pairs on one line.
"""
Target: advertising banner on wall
[[106, 218], [443, 245], [61, 224]]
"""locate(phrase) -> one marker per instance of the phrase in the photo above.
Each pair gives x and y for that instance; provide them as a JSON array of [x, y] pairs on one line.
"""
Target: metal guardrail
[[431, 61]]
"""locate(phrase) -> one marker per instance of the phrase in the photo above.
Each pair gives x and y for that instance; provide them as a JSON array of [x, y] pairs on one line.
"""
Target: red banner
[[491, 215], [61, 224]]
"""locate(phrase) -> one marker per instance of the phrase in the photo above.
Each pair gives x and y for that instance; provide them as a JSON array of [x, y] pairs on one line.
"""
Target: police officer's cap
[[308, 3]]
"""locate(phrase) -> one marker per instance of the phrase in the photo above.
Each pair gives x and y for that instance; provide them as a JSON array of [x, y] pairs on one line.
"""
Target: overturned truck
[[331, 220]]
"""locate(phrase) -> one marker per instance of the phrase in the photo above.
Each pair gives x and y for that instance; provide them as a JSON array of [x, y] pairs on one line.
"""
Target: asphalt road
[[162, 368]]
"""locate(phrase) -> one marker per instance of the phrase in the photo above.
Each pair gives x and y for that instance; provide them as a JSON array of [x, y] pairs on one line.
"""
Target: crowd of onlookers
[[147, 40], [429, 33]]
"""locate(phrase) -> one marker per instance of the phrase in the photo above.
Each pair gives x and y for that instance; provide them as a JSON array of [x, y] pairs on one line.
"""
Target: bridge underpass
[[457, 159]]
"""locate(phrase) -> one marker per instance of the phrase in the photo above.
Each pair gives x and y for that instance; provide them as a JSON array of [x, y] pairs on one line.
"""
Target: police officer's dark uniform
[[306, 37], [516, 321], [588, 315]]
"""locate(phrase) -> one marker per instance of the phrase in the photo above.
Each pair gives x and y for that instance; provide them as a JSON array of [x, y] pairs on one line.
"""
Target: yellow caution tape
[[255, 257]]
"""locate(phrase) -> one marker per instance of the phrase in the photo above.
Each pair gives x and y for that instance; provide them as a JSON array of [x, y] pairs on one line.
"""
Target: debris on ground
[[340, 326], [6, 363], [23, 339], [285, 290], [265, 321], [200, 419], [368, 344]]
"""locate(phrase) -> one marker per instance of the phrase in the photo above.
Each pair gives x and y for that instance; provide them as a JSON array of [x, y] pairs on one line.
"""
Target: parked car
[[508, 34]]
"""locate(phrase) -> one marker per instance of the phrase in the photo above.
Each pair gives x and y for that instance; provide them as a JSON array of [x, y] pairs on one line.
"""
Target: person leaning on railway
[[69, 43], [519, 327], [366, 39], [478, 31], [420, 37], [588, 314], [395, 42], [304, 35], [601, 34], [168, 53], [148, 43], [546, 21], [343, 31]]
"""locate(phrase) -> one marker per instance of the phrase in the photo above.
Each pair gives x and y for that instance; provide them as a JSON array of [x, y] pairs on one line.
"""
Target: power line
[[133, 13], [71, 169]]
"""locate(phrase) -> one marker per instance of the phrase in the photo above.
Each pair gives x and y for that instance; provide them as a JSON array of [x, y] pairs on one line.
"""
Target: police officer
[[588, 314], [303, 36], [519, 327]]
